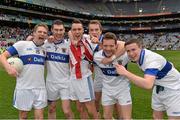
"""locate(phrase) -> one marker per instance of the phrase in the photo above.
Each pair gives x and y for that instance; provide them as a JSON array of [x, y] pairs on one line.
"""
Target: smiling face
[[58, 31], [109, 47], [133, 50]]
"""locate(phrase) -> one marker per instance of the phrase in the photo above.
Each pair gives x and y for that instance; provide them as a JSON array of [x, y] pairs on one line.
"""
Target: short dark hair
[[96, 22], [131, 41], [57, 22], [110, 35]]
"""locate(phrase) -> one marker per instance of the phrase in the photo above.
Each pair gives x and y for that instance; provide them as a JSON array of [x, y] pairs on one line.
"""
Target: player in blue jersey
[[58, 71], [159, 74], [30, 91], [115, 88]]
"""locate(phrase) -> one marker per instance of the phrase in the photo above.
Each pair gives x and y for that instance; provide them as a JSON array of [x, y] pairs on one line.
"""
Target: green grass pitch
[[141, 98]]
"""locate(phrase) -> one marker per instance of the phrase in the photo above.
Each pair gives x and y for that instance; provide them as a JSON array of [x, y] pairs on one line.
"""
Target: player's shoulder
[[22, 43], [99, 53]]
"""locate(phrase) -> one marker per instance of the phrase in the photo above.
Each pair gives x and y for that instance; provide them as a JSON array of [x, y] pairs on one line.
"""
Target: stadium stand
[[156, 30]]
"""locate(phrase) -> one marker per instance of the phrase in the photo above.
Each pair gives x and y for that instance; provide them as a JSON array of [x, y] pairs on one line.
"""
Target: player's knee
[[157, 116], [107, 116], [68, 114], [52, 109], [81, 108], [23, 117]]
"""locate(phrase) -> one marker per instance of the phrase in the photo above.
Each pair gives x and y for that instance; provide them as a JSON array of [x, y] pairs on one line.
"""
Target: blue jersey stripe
[[33, 59], [164, 71], [159, 74], [57, 57], [151, 71], [12, 50]]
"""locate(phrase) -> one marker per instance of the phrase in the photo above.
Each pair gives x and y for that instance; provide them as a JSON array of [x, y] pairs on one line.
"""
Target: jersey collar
[[141, 58], [37, 44], [59, 42]]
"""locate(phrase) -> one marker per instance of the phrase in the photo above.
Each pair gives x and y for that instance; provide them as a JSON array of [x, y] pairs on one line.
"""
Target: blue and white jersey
[[111, 80], [154, 64], [95, 47], [33, 57], [57, 61]]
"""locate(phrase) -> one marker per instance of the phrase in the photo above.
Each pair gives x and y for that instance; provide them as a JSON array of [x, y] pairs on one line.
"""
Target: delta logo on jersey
[[29, 59], [33, 59], [64, 50]]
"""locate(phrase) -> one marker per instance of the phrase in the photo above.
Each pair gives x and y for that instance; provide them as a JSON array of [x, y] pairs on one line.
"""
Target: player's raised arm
[[145, 82]]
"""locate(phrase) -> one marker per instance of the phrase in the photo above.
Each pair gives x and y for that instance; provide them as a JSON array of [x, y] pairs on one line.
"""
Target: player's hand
[[121, 70], [106, 61], [51, 39], [29, 38], [12, 71], [94, 39]]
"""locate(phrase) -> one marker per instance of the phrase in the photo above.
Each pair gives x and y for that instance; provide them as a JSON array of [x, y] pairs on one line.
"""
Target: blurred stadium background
[[156, 22]]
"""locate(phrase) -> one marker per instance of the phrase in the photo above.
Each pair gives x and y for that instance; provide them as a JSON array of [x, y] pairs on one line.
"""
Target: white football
[[16, 63]]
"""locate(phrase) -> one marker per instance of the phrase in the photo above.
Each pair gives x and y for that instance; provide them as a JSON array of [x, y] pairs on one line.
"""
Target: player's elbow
[[148, 86]]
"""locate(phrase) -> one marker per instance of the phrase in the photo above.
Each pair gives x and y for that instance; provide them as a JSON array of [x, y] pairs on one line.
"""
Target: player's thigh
[[66, 105], [39, 113], [126, 111], [107, 111]]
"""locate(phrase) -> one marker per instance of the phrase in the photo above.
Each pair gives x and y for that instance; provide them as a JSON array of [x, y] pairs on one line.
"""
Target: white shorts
[[30, 98], [121, 96], [82, 90], [56, 91], [167, 100], [98, 79]]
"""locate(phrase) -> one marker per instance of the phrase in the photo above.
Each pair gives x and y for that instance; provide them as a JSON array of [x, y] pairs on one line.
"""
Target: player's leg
[[174, 117], [98, 87], [124, 102], [125, 111], [90, 105], [40, 102], [23, 100], [23, 115], [98, 100], [66, 106], [51, 109], [38, 114], [108, 111], [157, 105], [52, 96], [82, 110], [117, 111], [158, 115]]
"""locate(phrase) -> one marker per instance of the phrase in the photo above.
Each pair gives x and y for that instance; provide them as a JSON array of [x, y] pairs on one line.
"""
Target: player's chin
[[108, 54]]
